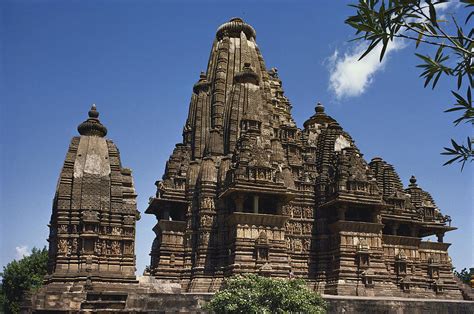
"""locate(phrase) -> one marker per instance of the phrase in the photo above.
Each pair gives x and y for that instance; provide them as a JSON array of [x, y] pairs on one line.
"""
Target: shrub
[[20, 277], [257, 294]]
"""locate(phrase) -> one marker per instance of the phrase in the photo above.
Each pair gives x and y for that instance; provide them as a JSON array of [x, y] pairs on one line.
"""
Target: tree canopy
[[257, 294], [381, 22], [464, 275], [20, 277]]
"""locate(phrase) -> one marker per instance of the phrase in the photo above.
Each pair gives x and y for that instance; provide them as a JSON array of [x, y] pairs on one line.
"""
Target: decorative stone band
[[251, 219], [401, 240], [356, 226], [168, 225]]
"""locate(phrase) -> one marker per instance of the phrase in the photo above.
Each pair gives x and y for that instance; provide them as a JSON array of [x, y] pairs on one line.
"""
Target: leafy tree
[[380, 22], [464, 275], [257, 294], [22, 276]]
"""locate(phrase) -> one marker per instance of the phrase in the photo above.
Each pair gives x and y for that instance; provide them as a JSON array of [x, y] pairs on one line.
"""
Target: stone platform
[[194, 302], [387, 305], [166, 301]]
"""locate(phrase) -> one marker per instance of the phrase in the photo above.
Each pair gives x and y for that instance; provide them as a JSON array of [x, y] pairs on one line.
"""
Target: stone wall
[[339, 304], [192, 302], [159, 302]]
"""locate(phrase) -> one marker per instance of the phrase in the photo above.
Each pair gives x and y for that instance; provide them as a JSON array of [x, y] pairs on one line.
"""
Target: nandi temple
[[246, 191]]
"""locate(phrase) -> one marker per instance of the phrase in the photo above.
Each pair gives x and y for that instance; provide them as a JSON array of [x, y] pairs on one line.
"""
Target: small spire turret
[[247, 75], [320, 117], [202, 84]]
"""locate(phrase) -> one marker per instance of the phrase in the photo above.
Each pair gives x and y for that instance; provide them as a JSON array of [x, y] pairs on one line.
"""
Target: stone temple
[[92, 227], [247, 191]]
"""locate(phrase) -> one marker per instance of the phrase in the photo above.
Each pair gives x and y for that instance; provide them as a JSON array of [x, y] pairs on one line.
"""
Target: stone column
[[278, 209], [440, 237], [166, 214], [255, 204], [394, 228], [341, 213], [239, 203], [376, 217]]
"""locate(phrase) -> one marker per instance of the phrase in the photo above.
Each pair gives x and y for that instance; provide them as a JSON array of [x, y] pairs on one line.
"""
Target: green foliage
[[257, 294], [21, 276], [464, 275], [379, 22]]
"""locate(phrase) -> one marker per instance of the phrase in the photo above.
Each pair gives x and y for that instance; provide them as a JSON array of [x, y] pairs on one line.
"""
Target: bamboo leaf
[[432, 13], [436, 80], [469, 17], [369, 49], [384, 48], [431, 29], [418, 40]]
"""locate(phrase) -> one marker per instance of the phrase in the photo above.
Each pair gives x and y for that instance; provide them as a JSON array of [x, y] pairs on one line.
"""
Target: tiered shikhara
[[92, 228], [247, 191]]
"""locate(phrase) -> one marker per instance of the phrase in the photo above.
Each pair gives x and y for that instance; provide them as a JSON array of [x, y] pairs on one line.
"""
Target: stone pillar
[[239, 203], [440, 237], [394, 228], [376, 217], [255, 204], [341, 213], [279, 206], [166, 214]]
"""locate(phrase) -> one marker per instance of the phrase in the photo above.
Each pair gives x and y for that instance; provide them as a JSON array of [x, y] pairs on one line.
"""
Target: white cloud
[[349, 77], [21, 251]]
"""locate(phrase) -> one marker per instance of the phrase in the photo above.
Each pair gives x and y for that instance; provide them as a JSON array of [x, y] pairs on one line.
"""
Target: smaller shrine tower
[[92, 227]]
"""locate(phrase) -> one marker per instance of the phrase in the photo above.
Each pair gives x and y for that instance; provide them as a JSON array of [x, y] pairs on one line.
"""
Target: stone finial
[[413, 182], [93, 113], [321, 118], [92, 126], [319, 108]]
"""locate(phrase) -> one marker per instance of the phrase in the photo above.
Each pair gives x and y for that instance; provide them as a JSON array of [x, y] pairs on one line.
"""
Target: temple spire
[[92, 126]]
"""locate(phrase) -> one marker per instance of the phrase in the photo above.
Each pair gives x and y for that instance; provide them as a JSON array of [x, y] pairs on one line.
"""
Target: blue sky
[[138, 62]]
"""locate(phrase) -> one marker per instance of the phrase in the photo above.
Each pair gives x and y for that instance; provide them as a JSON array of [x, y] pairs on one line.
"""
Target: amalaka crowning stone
[[92, 126]]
